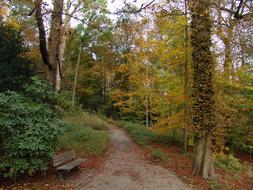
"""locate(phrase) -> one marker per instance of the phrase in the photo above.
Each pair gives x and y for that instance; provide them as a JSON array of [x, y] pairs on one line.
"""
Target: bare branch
[[237, 14], [142, 7]]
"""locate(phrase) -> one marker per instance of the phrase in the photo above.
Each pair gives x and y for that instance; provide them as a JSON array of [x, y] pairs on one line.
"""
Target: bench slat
[[71, 165], [63, 158]]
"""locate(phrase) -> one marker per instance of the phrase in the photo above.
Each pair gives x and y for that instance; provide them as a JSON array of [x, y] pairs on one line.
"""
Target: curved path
[[126, 169]]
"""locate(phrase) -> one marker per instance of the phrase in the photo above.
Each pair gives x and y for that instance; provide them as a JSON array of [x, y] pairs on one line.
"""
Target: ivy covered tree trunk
[[203, 94], [186, 80]]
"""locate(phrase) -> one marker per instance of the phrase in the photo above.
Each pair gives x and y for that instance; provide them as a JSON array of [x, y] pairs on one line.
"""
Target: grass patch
[[141, 134], [145, 135], [217, 185], [158, 154], [188, 155], [86, 135], [86, 119]]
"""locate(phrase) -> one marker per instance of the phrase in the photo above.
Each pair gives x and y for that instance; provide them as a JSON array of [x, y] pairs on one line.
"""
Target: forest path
[[126, 169]]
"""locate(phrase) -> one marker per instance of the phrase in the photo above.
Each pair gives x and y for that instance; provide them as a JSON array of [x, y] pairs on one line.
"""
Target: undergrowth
[[228, 162], [158, 154], [86, 119], [217, 185], [141, 134], [144, 135], [86, 135], [29, 129]]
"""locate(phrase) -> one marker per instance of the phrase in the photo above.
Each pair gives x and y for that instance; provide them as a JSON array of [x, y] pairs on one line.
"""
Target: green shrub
[[15, 68], [141, 134], [84, 140], [41, 91], [28, 132], [65, 101], [228, 162], [172, 136], [188, 154], [217, 185], [158, 154]]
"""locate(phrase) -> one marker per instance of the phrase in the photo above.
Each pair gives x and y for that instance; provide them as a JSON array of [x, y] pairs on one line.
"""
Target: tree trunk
[[76, 73], [51, 51], [228, 62], [226, 35], [104, 83], [42, 33], [147, 112], [203, 163], [69, 13], [186, 82], [147, 97], [54, 42], [202, 92]]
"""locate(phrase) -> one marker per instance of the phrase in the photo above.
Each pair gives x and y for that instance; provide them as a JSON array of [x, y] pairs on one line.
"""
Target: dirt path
[[125, 169]]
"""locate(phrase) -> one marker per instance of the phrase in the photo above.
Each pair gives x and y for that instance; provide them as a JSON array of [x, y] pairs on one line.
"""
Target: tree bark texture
[[202, 91], [186, 81], [228, 62], [42, 33], [76, 73], [50, 50], [225, 33], [54, 43], [69, 13]]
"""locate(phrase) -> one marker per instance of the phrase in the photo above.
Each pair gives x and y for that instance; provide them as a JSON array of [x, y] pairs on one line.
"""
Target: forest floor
[[181, 165], [128, 166]]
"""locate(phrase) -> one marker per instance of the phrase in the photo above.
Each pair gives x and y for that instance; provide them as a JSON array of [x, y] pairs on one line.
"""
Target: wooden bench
[[65, 162]]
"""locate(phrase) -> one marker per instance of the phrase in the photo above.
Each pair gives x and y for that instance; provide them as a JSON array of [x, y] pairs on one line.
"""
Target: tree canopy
[[181, 68]]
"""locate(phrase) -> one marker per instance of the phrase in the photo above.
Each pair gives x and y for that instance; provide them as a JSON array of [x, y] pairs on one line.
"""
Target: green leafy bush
[[158, 154], [28, 132], [228, 162], [41, 91], [172, 136], [15, 68]]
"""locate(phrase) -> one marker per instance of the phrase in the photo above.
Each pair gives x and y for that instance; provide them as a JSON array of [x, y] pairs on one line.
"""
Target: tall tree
[[69, 11], [51, 52], [203, 94], [186, 80], [225, 30]]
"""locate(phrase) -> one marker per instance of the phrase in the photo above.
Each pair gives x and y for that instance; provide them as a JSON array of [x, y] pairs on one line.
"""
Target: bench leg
[[76, 169], [60, 175]]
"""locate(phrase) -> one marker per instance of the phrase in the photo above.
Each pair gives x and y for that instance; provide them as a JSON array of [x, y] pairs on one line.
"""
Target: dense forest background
[[133, 64]]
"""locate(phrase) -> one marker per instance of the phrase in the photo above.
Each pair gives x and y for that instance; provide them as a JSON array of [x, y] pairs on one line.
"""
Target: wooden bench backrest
[[63, 158]]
